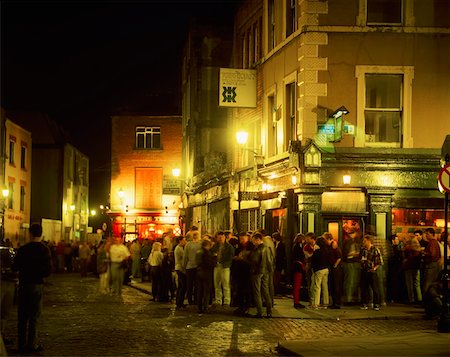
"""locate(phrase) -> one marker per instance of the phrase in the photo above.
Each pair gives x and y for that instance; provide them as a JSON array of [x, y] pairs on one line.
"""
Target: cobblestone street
[[78, 321]]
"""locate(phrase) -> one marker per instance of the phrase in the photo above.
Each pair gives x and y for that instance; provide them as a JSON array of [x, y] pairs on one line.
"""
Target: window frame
[[23, 157], [402, 5], [22, 197], [406, 140], [290, 120], [12, 149], [145, 131]]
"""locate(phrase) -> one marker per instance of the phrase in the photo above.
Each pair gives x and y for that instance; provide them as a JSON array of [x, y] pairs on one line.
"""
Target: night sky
[[83, 61]]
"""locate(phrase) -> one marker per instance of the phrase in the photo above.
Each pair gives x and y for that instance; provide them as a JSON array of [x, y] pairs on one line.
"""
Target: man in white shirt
[[118, 253], [181, 272]]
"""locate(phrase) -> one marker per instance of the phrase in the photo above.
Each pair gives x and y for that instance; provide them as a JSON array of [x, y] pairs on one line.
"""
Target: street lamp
[[5, 194]]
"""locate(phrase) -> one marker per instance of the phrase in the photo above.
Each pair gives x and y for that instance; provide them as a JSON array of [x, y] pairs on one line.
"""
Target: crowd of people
[[248, 270], [240, 272]]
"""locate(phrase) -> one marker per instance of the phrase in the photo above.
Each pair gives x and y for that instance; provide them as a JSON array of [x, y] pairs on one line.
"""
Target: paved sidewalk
[[426, 343], [416, 343], [284, 309]]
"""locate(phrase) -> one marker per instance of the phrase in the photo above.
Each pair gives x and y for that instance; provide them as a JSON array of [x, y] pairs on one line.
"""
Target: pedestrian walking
[[320, 262], [204, 275], [181, 272], [155, 260], [33, 262], [190, 264], [119, 255], [103, 268]]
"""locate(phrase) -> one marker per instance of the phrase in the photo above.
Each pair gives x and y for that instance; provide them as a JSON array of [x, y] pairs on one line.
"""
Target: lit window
[[384, 102], [148, 137], [384, 12]]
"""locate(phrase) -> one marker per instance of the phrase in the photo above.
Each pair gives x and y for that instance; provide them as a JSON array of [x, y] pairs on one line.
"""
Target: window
[[383, 112], [12, 146], [291, 17], [272, 125], [384, 12], [271, 24], [251, 47], [384, 106], [291, 110], [11, 195], [22, 198], [23, 156], [148, 137]]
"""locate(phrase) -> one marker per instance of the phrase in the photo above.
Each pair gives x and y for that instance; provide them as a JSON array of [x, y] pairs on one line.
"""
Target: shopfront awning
[[344, 201]]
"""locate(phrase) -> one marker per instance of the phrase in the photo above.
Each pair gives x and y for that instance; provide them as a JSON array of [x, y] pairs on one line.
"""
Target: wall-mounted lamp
[[72, 207], [176, 172], [340, 112], [5, 193], [242, 137], [346, 179], [294, 179]]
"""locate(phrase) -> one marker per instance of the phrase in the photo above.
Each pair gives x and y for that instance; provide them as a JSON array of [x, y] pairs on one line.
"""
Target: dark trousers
[[204, 285], [155, 272], [369, 280], [244, 298], [336, 284], [190, 285], [29, 311], [181, 289]]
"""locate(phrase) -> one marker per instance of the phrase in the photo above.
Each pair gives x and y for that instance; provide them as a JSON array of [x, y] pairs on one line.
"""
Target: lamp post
[[5, 194]]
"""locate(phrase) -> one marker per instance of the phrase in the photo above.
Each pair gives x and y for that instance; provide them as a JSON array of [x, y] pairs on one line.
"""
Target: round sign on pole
[[444, 178]]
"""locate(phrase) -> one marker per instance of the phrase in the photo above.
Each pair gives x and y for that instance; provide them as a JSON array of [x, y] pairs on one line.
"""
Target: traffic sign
[[444, 178]]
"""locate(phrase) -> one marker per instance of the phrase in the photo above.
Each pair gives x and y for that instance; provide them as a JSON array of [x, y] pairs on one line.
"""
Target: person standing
[[280, 262], [371, 260], [432, 256], [298, 265], [33, 262], [181, 272], [103, 268], [135, 251], [84, 254], [190, 264], [205, 266], [336, 272], [241, 273], [260, 275], [119, 255], [320, 263], [224, 253], [411, 267]]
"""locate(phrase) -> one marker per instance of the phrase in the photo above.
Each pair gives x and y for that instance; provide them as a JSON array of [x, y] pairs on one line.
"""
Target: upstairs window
[[148, 137], [384, 12], [22, 198], [12, 148], [291, 110], [384, 106], [291, 17], [271, 23], [23, 157], [383, 112]]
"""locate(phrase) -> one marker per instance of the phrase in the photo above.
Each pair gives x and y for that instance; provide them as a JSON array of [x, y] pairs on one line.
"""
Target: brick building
[[145, 162]]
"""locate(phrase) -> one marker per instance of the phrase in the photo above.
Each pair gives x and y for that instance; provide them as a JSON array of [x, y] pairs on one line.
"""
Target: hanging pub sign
[[237, 88]]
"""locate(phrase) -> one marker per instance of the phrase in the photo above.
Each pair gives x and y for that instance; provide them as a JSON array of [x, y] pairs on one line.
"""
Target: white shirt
[[178, 253], [155, 259], [118, 253]]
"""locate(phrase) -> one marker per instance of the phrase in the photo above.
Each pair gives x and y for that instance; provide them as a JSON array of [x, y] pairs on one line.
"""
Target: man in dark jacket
[[259, 275], [33, 263]]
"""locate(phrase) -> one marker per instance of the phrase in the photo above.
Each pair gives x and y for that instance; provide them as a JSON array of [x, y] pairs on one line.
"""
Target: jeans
[[29, 311], [412, 279], [260, 288], [222, 281], [191, 285], [117, 275], [181, 288], [320, 287], [370, 280], [352, 278]]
